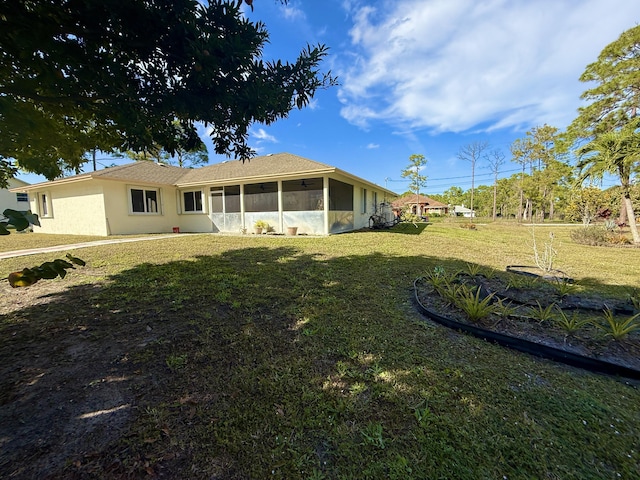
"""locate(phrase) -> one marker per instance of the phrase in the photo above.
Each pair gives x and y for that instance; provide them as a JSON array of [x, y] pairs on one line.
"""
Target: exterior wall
[[74, 208], [104, 207], [362, 208], [194, 222], [10, 199], [121, 221]]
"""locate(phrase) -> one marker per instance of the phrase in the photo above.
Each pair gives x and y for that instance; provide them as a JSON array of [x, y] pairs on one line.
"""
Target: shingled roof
[[142, 172], [413, 199], [276, 165]]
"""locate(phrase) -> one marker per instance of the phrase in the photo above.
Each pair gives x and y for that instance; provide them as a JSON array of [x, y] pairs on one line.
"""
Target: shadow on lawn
[[405, 228], [259, 362]]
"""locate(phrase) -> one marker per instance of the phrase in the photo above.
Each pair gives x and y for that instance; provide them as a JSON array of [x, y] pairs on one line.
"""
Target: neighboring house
[[462, 211], [420, 205], [143, 197], [9, 198]]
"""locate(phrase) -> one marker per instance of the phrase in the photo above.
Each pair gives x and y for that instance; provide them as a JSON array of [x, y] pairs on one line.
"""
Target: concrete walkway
[[73, 246]]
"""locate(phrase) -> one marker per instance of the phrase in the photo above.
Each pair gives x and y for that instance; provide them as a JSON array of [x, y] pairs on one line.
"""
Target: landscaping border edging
[[526, 346]]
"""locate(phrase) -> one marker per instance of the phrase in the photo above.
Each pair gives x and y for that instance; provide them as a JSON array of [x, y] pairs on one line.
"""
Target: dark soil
[[525, 301]]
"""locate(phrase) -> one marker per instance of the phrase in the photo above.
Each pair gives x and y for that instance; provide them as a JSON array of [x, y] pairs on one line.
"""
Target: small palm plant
[[476, 307], [503, 309], [473, 269], [563, 287], [570, 324], [618, 329], [542, 314]]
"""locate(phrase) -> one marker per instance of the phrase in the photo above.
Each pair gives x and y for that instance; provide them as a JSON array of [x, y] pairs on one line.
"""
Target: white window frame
[[158, 191], [202, 202], [22, 197], [45, 208]]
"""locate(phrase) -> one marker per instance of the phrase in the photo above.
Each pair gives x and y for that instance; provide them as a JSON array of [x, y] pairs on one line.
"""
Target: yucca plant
[[438, 277], [473, 305], [503, 309], [619, 329], [563, 287], [489, 273], [542, 314], [522, 281], [473, 269], [570, 324], [451, 292]]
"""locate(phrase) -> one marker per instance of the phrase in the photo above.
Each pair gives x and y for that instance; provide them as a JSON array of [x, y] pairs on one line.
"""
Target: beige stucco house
[[282, 189]]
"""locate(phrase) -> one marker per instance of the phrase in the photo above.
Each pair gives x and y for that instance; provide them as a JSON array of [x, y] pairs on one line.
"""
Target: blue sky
[[431, 76]]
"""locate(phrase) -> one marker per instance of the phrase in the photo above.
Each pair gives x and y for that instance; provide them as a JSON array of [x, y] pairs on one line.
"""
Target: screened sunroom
[[314, 205]]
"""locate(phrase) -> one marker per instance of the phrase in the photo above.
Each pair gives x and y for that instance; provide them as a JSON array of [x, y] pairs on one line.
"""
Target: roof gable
[[263, 168], [276, 165], [144, 172], [413, 198]]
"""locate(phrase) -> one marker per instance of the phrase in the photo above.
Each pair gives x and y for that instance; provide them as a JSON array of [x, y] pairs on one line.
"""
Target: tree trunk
[[631, 218], [623, 211], [495, 194]]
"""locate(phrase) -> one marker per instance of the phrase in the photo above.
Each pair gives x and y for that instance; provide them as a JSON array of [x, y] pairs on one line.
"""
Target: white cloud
[[373, 146], [293, 13], [261, 134], [459, 65]]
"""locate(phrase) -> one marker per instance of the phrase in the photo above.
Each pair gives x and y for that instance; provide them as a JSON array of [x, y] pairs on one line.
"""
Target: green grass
[[24, 241], [304, 358]]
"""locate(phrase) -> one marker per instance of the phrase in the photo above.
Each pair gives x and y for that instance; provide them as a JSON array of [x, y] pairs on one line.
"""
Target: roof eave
[[41, 185]]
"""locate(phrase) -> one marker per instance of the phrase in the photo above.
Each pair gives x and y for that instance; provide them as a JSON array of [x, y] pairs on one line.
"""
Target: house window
[[22, 197], [144, 200], [192, 201], [44, 204], [375, 202], [364, 200]]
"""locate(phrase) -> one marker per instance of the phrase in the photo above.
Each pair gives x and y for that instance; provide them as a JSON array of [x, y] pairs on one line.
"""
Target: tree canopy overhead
[[614, 94], [76, 75]]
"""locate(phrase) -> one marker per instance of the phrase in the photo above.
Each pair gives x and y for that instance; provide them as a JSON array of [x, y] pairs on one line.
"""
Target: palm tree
[[616, 152]]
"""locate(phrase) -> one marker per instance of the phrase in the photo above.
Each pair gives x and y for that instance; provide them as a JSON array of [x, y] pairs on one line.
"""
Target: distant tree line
[[561, 172]]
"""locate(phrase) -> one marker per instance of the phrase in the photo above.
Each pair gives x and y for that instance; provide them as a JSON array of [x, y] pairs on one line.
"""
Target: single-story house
[[282, 189], [462, 211], [10, 199], [420, 205]]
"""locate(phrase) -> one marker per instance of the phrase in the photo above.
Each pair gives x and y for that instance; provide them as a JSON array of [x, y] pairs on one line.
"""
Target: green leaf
[[16, 218], [76, 260]]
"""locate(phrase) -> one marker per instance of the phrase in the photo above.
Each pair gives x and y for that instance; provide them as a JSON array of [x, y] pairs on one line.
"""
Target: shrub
[[476, 307], [618, 239], [570, 324], [590, 236], [619, 329]]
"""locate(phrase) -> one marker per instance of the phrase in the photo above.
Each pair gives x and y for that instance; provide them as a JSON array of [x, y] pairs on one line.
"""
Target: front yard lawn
[[241, 357]]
